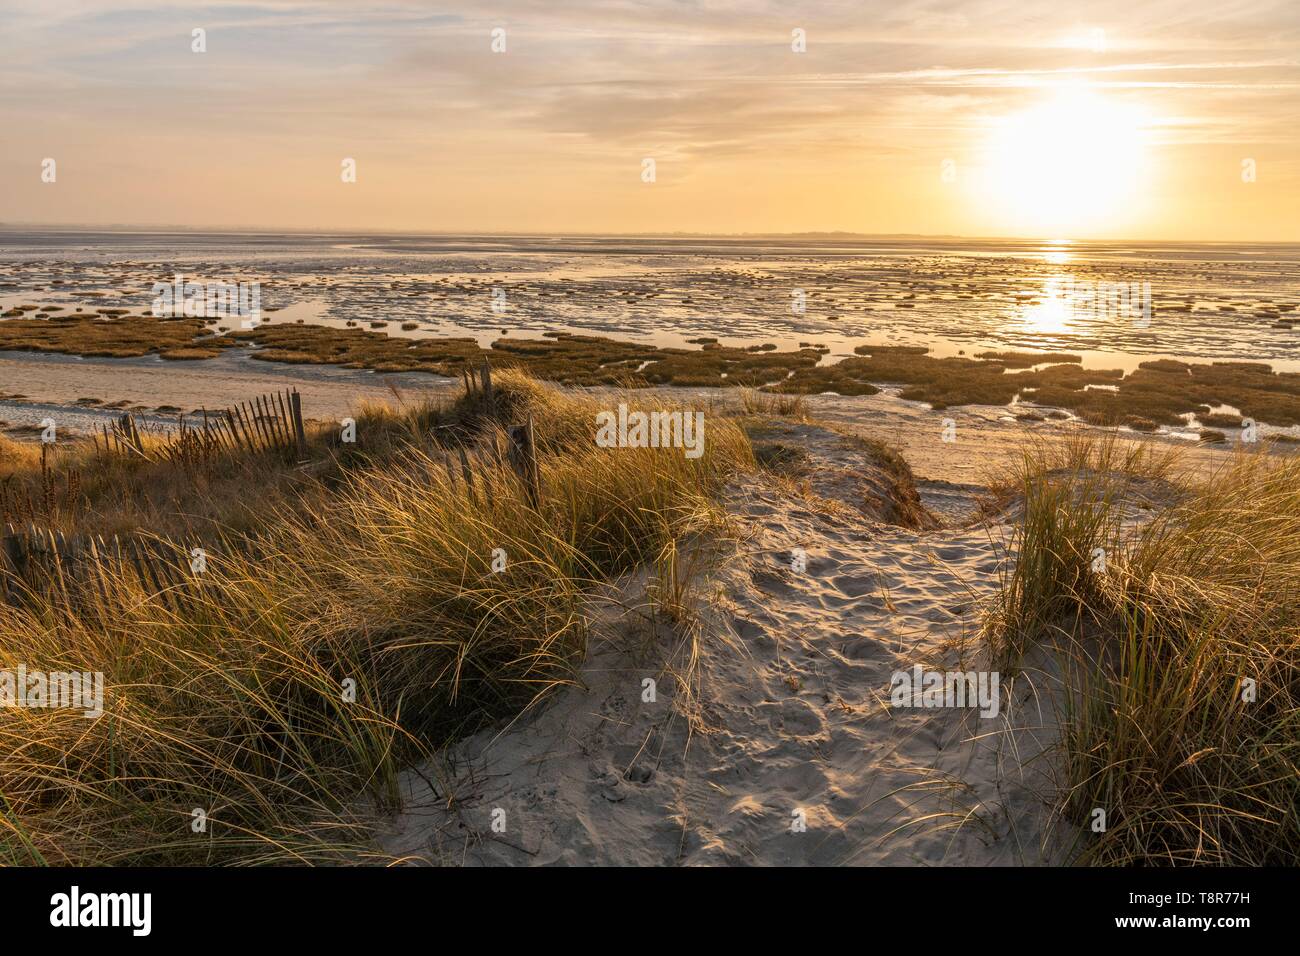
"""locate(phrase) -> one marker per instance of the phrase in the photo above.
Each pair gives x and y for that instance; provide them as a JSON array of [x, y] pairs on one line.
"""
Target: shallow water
[[1209, 301]]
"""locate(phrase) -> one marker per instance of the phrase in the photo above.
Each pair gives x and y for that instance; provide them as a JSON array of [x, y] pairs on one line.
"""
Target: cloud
[[588, 83]]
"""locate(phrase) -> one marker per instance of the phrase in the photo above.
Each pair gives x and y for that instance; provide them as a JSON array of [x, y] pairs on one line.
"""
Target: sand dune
[[783, 720]]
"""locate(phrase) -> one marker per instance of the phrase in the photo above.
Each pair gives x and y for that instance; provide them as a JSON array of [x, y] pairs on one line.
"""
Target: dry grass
[[759, 403], [236, 697], [1160, 651]]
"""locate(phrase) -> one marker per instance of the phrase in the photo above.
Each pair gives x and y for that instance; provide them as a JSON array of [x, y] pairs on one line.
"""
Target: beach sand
[[53, 384]]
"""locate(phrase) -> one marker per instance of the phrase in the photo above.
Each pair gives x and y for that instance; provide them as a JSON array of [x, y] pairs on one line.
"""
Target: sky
[[1121, 120]]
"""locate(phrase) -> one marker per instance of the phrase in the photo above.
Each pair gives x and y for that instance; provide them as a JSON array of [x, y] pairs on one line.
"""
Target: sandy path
[[797, 757]]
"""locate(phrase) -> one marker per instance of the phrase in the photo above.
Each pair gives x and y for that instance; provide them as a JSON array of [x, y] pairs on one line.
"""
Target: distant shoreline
[[813, 235]]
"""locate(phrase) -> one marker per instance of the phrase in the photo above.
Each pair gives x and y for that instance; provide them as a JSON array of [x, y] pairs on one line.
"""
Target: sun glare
[[1070, 165], [1051, 314]]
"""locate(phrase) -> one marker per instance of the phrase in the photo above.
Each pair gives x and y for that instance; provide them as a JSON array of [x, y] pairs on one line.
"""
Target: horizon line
[[803, 234]]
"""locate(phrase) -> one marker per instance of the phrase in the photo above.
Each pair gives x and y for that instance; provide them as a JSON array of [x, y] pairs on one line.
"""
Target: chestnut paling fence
[[81, 569], [271, 422]]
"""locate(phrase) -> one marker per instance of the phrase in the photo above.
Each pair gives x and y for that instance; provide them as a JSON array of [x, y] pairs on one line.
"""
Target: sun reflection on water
[[1051, 314], [1057, 252]]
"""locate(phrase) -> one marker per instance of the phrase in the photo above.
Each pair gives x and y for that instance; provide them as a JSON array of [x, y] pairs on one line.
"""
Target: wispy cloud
[[588, 88]]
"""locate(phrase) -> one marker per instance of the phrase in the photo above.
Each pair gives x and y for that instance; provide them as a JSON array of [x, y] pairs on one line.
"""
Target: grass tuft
[[1180, 658]]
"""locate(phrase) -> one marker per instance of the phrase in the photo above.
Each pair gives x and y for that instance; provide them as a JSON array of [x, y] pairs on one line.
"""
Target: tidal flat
[[947, 324]]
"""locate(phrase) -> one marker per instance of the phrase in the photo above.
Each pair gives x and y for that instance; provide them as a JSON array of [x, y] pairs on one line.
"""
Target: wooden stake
[[300, 434], [523, 456]]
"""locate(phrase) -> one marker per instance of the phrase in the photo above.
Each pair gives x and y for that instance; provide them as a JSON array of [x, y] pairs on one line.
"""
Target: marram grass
[[251, 720], [1181, 659]]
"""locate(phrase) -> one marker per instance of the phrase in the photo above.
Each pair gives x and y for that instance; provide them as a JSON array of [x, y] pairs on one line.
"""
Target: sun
[[1071, 165]]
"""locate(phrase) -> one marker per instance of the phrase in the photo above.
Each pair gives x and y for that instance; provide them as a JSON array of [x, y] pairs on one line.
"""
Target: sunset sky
[[978, 118]]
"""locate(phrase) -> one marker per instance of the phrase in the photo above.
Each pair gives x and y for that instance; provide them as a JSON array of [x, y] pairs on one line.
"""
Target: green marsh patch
[[1160, 392]]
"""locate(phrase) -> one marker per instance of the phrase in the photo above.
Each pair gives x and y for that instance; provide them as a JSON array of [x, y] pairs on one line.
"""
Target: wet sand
[[54, 384]]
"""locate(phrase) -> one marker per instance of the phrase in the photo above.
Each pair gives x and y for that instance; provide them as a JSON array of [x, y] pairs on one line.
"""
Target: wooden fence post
[[300, 434], [132, 434], [523, 456]]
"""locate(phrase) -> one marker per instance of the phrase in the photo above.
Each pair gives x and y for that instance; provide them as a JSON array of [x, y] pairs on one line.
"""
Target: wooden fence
[[479, 382], [82, 569], [521, 454], [271, 422]]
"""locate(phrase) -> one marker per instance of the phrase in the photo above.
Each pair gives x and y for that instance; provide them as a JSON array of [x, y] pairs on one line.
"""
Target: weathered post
[[523, 457], [487, 384], [300, 434]]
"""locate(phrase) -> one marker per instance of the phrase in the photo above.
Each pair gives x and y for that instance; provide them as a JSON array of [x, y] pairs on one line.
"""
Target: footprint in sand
[[771, 582], [794, 717], [864, 649], [857, 585]]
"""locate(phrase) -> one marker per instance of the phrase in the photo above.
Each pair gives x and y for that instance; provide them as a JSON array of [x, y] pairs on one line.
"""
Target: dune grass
[[1180, 656], [363, 627], [756, 403]]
